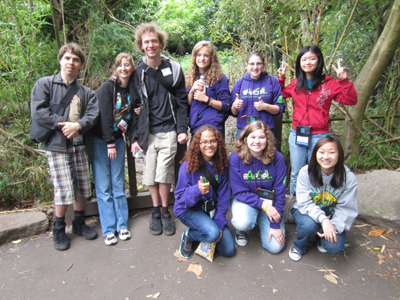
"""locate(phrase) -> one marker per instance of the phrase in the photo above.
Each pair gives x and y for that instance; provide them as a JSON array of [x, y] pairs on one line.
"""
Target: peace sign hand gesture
[[340, 71], [282, 70]]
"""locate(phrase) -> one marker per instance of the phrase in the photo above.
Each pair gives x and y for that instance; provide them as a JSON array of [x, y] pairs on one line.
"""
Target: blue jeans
[[307, 228], [109, 178], [244, 218], [298, 157], [203, 229]]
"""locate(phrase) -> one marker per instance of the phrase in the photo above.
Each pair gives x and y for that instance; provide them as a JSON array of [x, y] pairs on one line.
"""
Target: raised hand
[[260, 105], [238, 103], [282, 70], [340, 71], [203, 187]]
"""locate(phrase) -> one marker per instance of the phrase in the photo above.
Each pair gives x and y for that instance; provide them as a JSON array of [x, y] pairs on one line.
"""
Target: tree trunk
[[369, 76]]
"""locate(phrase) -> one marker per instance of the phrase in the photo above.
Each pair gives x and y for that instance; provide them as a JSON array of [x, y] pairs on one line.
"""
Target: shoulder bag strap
[[157, 77]]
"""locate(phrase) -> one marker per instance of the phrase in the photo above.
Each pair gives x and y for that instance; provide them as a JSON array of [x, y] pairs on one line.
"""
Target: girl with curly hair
[[257, 95], [196, 197], [257, 175], [208, 89]]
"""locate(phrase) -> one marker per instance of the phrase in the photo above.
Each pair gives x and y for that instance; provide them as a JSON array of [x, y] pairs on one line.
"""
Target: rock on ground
[[15, 226], [379, 198]]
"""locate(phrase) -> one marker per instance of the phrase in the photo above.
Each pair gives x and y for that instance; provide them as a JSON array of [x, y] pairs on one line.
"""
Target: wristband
[[210, 101], [111, 146]]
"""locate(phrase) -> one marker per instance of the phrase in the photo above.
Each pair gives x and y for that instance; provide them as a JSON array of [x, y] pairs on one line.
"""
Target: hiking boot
[[242, 238], [294, 254], [60, 238], [168, 224], [320, 248], [110, 239], [124, 234], [185, 248], [155, 224], [80, 228]]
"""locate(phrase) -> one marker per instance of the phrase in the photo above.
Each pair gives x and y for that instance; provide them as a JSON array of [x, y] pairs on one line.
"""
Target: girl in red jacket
[[312, 93]]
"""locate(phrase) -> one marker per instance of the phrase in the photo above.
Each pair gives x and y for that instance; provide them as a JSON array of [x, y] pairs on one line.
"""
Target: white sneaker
[[294, 254], [242, 238], [124, 234], [110, 239], [320, 248]]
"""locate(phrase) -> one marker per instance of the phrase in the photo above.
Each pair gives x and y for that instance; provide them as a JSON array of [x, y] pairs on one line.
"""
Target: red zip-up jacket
[[312, 108]]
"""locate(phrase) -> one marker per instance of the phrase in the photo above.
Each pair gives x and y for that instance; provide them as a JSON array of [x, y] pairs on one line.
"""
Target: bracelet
[[264, 206], [110, 146], [210, 101]]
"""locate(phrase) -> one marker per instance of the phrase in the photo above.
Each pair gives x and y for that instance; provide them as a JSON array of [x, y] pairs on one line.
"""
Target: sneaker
[[60, 239], [155, 224], [168, 224], [294, 254], [242, 238], [124, 234], [80, 228], [320, 248], [185, 248], [110, 239]]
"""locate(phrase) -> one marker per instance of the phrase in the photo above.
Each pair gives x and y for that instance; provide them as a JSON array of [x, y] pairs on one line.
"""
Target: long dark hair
[[317, 77], [314, 169]]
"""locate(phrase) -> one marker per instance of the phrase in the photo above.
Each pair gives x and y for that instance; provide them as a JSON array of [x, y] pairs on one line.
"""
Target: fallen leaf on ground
[[271, 266], [155, 296], [195, 268], [381, 262], [376, 232], [274, 291], [180, 258], [380, 256], [330, 278], [361, 225], [383, 249], [69, 267], [386, 274], [288, 270], [16, 242]]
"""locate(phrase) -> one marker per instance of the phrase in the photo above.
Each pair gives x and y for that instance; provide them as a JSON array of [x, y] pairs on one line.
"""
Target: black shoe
[[80, 228], [155, 224], [60, 239], [168, 224], [186, 247]]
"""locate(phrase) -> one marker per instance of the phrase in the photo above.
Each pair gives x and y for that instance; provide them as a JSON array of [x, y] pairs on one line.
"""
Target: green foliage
[[106, 42], [186, 22]]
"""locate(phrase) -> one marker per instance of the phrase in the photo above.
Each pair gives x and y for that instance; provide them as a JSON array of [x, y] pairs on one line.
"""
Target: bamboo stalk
[[344, 32], [345, 111], [33, 151]]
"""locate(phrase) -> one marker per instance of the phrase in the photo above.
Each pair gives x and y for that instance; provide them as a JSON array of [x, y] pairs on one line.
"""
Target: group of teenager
[[150, 107]]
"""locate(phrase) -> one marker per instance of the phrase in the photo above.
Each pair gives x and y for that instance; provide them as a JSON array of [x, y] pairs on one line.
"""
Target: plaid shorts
[[70, 174]]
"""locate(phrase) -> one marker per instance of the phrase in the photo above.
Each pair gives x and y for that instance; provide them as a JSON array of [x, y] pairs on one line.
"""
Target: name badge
[[166, 71]]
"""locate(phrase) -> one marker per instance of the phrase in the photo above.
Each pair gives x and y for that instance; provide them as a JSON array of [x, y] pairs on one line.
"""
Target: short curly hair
[[214, 71], [243, 150], [150, 27], [194, 157]]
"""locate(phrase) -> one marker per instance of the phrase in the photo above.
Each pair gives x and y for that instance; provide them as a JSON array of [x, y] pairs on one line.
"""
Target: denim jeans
[[244, 218], [203, 229], [298, 157], [307, 228], [109, 178]]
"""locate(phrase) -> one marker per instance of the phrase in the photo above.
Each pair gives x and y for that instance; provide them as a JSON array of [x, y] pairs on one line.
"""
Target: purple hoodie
[[250, 90], [201, 114], [189, 197], [246, 178]]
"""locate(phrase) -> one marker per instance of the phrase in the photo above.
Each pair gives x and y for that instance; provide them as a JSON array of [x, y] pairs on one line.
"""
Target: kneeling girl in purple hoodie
[[257, 174], [201, 203]]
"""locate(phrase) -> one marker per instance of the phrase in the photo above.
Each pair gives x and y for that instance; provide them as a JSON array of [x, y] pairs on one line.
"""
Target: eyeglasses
[[206, 143], [255, 64]]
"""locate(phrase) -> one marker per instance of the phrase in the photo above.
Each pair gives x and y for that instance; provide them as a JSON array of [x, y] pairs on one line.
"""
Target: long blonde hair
[[214, 71]]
